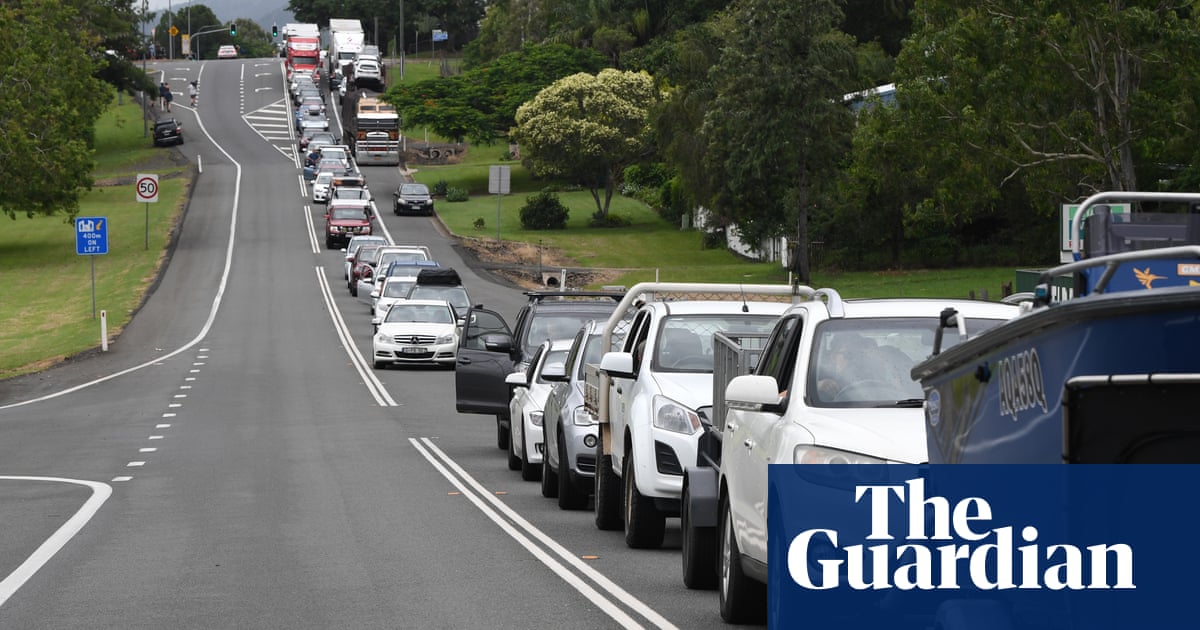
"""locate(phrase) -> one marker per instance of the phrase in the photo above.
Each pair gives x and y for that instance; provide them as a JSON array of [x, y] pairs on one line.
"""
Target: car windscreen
[[397, 288], [414, 189], [554, 326], [348, 214], [684, 342], [428, 313], [456, 296]]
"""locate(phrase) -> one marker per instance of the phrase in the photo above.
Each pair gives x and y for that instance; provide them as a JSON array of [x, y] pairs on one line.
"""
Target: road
[[234, 462]]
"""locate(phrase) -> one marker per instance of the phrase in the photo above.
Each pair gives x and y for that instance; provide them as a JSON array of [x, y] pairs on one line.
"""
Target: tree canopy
[[49, 103], [481, 104], [588, 128]]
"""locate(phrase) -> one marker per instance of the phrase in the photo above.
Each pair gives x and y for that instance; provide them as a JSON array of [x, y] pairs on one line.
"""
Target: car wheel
[[379, 365], [699, 545], [501, 434], [549, 476], [742, 600], [607, 491], [529, 471], [354, 288], [514, 462], [569, 496], [328, 243], [396, 210], [644, 524]]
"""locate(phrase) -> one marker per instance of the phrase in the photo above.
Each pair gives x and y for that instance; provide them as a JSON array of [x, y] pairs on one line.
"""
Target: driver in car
[[840, 366]]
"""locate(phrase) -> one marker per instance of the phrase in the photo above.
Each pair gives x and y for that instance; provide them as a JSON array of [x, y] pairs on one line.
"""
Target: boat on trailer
[[1109, 375]]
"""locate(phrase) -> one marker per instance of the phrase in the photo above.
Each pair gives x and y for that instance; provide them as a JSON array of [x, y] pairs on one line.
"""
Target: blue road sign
[[91, 236]]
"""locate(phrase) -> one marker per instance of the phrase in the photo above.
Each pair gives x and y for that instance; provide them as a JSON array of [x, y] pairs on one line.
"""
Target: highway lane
[[274, 487]]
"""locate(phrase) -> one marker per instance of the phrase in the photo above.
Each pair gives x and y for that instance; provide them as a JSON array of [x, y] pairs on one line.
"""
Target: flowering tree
[[588, 128]]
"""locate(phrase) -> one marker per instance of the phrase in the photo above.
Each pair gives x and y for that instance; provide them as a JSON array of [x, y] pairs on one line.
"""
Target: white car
[[530, 391], [320, 190], [392, 289], [352, 249], [833, 386], [227, 52], [417, 331]]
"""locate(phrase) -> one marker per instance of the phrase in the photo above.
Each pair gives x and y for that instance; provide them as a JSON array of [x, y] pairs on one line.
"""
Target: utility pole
[[145, 53], [170, 38], [402, 41]]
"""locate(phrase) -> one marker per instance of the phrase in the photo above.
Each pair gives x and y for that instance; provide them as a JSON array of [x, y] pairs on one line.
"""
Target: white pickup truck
[[652, 387], [830, 385]]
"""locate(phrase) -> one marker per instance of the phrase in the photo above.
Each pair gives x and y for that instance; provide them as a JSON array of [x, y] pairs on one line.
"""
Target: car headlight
[[808, 454], [581, 417], [672, 416], [446, 338], [382, 338], [536, 418]]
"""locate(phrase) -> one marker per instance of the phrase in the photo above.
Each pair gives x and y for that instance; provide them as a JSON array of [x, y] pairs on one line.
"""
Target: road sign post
[[91, 240], [499, 179], [147, 191]]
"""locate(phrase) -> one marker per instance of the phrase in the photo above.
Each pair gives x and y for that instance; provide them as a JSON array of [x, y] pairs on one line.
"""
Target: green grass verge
[[46, 313]]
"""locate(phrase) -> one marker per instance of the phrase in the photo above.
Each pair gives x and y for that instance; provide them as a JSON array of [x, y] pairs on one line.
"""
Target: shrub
[[439, 189], [454, 193], [609, 221], [544, 211]]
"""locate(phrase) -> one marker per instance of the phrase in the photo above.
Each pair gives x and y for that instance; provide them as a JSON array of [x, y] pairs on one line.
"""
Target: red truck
[[303, 46]]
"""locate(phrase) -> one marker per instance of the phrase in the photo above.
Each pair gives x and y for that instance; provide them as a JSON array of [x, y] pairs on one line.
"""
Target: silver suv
[[569, 430]]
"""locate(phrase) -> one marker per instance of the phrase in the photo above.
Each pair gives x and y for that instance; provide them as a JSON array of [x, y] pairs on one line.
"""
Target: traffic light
[[232, 29], [274, 30]]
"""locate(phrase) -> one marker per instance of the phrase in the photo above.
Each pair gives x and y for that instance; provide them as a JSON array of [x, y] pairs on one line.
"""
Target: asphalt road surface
[[234, 462]]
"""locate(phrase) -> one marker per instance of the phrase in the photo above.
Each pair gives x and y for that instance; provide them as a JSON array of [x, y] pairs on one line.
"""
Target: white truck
[[346, 40], [831, 384], [653, 386]]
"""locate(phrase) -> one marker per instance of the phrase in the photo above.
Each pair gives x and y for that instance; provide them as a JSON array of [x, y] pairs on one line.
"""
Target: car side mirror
[[618, 364], [516, 379], [554, 372], [497, 342]]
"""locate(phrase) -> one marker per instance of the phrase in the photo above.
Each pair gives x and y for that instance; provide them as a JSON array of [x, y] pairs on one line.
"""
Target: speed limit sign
[[147, 188]]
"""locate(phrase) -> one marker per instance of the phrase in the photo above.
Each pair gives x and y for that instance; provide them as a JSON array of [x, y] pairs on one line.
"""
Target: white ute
[[650, 392]]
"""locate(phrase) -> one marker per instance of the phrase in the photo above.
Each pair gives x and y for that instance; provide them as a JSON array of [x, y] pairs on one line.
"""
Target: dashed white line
[[135, 464]]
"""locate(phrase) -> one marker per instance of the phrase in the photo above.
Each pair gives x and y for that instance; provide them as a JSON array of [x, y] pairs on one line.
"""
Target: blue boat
[[1110, 375]]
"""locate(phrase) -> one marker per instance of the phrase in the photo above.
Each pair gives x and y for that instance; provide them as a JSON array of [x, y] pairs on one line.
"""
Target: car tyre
[[502, 434], [514, 462], [328, 243], [742, 600], [549, 476], [644, 524], [569, 496], [607, 491], [529, 471], [699, 548], [379, 365]]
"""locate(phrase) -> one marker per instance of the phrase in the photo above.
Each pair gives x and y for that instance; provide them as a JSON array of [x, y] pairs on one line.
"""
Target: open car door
[[484, 360]]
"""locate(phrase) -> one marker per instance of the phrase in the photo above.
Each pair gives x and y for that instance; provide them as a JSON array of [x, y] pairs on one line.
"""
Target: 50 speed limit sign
[[147, 188]]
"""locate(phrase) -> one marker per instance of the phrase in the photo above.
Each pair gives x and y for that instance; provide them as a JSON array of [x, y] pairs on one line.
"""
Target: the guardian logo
[[949, 546]]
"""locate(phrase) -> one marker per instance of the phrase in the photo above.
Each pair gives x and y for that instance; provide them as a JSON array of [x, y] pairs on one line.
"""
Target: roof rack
[[540, 296]]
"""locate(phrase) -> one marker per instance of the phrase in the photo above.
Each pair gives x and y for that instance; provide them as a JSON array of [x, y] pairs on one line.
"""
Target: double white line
[[615, 601], [378, 392]]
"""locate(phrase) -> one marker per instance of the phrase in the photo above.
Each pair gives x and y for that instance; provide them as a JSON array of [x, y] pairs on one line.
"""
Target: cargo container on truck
[[345, 42]]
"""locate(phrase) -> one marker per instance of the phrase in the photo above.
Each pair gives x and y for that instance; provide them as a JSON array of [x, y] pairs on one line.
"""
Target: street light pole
[[145, 53], [402, 41], [170, 38]]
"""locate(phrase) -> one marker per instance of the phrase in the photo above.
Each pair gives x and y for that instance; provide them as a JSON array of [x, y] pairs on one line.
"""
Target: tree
[[776, 128], [481, 104], [49, 104], [588, 128]]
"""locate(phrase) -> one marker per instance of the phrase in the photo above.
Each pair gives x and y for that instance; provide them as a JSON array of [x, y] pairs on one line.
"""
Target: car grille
[[414, 340]]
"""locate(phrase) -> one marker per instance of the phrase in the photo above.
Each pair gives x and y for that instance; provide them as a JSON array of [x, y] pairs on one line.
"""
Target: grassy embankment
[[46, 308]]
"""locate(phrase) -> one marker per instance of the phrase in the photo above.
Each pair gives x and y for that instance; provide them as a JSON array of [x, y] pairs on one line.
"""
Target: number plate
[[412, 350]]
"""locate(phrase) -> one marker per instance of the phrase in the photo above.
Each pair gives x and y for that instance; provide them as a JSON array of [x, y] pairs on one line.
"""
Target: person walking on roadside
[[162, 96], [167, 95], [193, 91]]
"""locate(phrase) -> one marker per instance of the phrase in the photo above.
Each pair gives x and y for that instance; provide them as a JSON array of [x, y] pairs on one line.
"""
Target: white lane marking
[[174, 405], [497, 511], [56, 541], [378, 391], [155, 437], [312, 230], [163, 425], [148, 449], [135, 464], [122, 478]]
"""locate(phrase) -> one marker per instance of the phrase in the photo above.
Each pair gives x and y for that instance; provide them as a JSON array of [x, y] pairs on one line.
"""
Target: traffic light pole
[[204, 31]]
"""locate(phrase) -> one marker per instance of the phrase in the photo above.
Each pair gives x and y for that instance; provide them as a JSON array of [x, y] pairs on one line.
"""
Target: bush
[[544, 211], [439, 189], [609, 221], [454, 193]]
